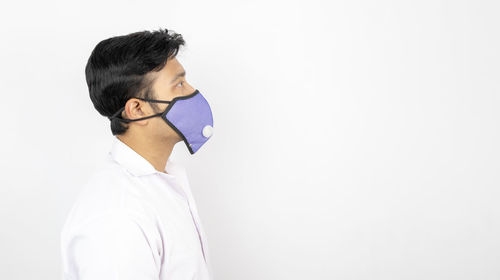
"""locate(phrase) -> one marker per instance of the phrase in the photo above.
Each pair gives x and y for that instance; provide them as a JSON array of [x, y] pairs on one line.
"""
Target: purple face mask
[[190, 116]]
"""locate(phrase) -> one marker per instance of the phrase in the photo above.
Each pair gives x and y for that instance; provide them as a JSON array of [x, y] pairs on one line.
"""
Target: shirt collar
[[134, 162]]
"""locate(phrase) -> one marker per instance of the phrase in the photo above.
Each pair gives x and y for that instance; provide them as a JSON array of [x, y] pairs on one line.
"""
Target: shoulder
[[101, 198]]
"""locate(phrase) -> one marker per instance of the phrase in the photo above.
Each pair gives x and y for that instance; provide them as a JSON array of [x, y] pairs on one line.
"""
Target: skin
[[153, 138]]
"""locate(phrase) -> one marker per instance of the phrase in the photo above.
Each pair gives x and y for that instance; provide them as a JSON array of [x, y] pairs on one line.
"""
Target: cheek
[[162, 127], [160, 123]]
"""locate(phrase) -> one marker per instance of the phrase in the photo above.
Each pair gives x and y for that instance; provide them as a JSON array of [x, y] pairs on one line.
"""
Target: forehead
[[172, 68]]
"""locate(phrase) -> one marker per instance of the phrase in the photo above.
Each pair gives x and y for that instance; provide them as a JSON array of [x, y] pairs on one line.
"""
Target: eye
[[181, 82]]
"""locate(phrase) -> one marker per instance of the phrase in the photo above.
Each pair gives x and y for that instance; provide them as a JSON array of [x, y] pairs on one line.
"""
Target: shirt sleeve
[[115, 246]]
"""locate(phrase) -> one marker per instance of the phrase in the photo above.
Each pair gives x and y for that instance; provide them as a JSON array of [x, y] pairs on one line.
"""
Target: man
[[136, 218]]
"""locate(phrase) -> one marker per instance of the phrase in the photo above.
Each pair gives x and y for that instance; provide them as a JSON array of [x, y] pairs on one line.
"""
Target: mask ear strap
[[131, 120], [144, 99], [116, 114]]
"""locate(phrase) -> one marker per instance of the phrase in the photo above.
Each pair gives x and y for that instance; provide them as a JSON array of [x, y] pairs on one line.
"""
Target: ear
[[135, 109]]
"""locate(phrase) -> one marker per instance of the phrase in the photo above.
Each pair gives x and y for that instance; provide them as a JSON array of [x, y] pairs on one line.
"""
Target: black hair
[[119, 69]]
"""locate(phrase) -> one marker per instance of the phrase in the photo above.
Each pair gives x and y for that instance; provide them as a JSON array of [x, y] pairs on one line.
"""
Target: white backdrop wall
[[353, 139]]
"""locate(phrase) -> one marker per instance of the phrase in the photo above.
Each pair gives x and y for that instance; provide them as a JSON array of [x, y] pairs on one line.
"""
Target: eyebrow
[[178, 75]]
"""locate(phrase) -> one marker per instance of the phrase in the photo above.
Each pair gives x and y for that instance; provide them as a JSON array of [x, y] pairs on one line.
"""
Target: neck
[[154, 151]]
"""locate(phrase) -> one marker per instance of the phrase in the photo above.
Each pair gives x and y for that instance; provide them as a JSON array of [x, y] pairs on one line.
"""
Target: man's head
[[141, 64]]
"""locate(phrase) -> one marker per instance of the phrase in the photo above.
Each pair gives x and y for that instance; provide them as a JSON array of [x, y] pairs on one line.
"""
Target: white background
[[352, 139]]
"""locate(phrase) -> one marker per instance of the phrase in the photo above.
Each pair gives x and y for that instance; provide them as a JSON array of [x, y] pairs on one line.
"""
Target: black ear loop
[[115, 115]]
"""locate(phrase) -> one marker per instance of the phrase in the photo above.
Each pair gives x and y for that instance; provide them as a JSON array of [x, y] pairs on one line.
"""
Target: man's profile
[[136, 218]]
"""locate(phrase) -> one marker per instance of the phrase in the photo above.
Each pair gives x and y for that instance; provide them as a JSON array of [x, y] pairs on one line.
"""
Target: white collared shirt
[[130, 221]]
